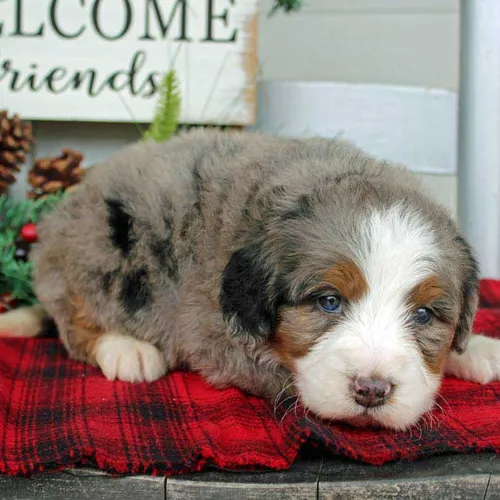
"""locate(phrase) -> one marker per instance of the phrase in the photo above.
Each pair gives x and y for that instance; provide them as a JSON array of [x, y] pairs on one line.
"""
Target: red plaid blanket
[[56, 413]]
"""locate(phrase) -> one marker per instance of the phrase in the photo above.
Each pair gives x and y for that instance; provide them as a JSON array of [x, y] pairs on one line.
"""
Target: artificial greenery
[[168, 109], [286, 5], [15, 274]]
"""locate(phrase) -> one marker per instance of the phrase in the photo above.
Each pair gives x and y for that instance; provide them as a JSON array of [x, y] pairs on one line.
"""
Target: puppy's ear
[[470, 296], [247, 299]]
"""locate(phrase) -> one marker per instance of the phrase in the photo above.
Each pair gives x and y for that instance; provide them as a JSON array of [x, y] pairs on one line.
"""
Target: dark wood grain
[[82, 485], [447, 477]]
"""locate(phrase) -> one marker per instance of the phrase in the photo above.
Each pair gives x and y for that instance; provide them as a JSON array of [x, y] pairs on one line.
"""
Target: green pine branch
[[168, 110], [286, 5], [16, 275], [14, 214]]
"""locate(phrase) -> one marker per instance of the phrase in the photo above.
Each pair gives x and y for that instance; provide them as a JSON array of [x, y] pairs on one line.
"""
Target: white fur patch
[[479, 363], [23, 322], [396, 251], [128, 359]]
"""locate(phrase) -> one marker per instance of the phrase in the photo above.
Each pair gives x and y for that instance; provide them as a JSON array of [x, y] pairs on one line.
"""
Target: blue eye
[[422, 316], [331, 303]]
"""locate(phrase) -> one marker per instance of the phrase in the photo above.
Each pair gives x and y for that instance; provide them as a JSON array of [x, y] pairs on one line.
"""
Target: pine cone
[[16, 139], [50, 175]]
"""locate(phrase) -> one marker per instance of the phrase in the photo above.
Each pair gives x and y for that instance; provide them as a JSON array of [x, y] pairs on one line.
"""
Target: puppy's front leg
[[119, 356], [128, 359], [480, 362]]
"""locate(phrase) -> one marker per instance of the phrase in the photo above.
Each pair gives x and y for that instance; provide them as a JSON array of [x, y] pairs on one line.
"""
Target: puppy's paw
[[128, 359], [479, 363]]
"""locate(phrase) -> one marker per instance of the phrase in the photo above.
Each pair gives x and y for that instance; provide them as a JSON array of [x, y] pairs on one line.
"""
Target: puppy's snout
[[371, 391]]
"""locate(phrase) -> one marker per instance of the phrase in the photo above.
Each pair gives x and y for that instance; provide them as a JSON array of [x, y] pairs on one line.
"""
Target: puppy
[[302, 267]]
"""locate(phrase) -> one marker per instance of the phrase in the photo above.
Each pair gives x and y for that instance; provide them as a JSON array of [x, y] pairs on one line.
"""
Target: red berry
[[7, 302], [29, 233]]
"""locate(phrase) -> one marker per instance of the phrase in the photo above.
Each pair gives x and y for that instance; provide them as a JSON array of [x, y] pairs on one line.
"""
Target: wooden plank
[[81, 485], [300, 482], [460, 476], [213, 490], [103, 61], [337, 469], [466, 487], [493, 490]]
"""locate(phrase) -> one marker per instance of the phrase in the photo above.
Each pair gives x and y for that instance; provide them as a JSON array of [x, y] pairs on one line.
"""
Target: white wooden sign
[[102, 60]]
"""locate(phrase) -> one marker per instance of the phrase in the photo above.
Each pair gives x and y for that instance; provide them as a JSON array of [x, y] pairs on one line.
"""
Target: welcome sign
[[103, 60]]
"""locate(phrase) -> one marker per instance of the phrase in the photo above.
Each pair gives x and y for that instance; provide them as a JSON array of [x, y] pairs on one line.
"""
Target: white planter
[[413, 126]]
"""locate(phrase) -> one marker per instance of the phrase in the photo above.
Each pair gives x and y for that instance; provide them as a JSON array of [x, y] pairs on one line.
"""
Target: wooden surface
[[449, 477], [81, 484]]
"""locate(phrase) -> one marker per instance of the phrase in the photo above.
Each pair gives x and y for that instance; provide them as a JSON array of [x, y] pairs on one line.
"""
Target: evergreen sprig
[[286, 5], [15, 275], [168, 109]]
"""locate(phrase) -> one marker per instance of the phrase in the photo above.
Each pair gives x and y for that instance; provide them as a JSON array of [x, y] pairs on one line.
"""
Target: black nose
[[370, 392]]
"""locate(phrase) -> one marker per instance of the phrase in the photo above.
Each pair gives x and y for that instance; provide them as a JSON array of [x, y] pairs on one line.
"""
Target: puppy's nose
[[370, 391]]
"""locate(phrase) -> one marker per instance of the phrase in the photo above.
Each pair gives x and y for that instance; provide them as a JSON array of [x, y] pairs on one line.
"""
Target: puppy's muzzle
[[371, 391]]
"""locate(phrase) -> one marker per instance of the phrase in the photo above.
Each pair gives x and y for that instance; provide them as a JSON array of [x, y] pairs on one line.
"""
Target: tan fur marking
[[424, 294], [427, 292], [85, 333], [292, 339], [348, 279], [436, 364]]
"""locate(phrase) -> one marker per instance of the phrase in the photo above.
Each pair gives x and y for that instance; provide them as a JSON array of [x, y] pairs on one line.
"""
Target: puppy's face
[[368, 336], [363, 307]]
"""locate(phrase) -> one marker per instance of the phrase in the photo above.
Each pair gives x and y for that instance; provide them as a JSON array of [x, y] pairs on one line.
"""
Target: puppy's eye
[[330, 303], [422, 316]]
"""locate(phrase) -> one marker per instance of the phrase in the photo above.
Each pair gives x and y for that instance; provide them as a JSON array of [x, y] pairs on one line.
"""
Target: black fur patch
[[192, 222], [221, 203], [120, 224], [189, 218], [342, 177], [198, 182], [135, 293], [108, 280], [269, 198], [49, 329], [302, 210], [246, 293], [278, 190], [198, 187], [74, 208], [163, 251], [469, 296], [252, 194]]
